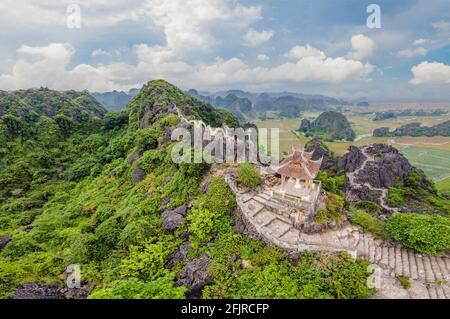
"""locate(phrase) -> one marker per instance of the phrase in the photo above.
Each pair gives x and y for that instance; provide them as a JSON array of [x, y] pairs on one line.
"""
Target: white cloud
[[262, 57], [299, 52], [442, 26], [420, 41], [189, 25], [50, 66], [409, 53], [254, 38], [100, 52], [431, 73], [362, 47]]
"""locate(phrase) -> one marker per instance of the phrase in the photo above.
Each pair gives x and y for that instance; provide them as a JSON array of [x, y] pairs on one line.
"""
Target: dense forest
[[80, 185]]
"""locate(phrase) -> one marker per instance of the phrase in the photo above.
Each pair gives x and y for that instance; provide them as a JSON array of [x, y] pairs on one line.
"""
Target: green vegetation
[[71, 180], [418, 194], [427, 234], [368, 223], [248, 175], [329, 126], [443, 186], [333, 184], [415, 129], [334, 210], [404, 281]]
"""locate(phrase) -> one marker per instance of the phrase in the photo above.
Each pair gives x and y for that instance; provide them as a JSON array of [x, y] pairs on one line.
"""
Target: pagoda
[[298, 172]]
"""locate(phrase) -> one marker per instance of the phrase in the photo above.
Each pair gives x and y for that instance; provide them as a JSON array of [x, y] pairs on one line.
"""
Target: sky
[[305, 46]]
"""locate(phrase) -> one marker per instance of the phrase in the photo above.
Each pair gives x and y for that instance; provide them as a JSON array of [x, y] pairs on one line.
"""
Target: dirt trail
[[384, 192]]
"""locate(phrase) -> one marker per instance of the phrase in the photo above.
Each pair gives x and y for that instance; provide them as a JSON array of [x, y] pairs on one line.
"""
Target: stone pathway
[[384, 192], [429, 276]]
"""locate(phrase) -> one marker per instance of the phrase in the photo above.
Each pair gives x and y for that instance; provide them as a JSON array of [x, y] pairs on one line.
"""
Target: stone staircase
[[429, 276]]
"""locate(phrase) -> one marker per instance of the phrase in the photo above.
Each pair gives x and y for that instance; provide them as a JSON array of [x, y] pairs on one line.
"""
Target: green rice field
[[431, 154]]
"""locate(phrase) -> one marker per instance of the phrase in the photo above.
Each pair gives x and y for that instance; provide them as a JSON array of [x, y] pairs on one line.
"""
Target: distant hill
[[415, 129], [29, 105], [381, 116], [245, 104], [329, 126], [268, 105], [115, 100]]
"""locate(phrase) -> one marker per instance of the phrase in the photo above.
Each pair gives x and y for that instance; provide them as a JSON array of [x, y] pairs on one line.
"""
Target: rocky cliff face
[[388, 168], [320, 150], [372, 170], [352, 160]]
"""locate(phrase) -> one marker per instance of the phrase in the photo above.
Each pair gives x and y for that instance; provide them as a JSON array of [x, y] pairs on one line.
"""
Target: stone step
[[433, 293], [420, 267], [443, 268], [277, 227], [378, 253], [398, 260], [447, 263], [405, 262], [435, 268], [440, 292], [446, 289], [354, 239], [253, 207], [360, 245], [392, 257], [384, 256], [412, 265], [372, 250], [292, 236], [263, 217], [429, 276]]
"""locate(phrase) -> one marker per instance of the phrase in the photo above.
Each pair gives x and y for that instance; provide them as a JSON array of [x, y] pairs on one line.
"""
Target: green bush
[[248, 175], [396, 196], [201, 225], [404, 281], [133, 288], [147, 262], [219, 199], [427, 234], [331, 184], [370, 207], [368, 223]]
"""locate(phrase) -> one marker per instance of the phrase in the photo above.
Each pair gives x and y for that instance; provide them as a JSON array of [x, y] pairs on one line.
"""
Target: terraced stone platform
[[429, 276]]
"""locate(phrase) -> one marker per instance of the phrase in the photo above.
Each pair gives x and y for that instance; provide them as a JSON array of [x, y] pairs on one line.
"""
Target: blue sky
[[270, 45]]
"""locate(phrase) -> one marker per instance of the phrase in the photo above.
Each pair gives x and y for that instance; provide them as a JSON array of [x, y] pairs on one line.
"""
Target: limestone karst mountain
[[329, 126]]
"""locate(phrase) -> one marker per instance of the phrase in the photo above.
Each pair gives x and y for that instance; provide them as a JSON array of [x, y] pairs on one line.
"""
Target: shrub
[[404, 281], [370, 207], [147, 139], [331, 184], [147, 262], [396, 196], [201, 224], [368, 223], [248, 175], [427, 234], [220, 199], [321, 217], [133, 288]]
